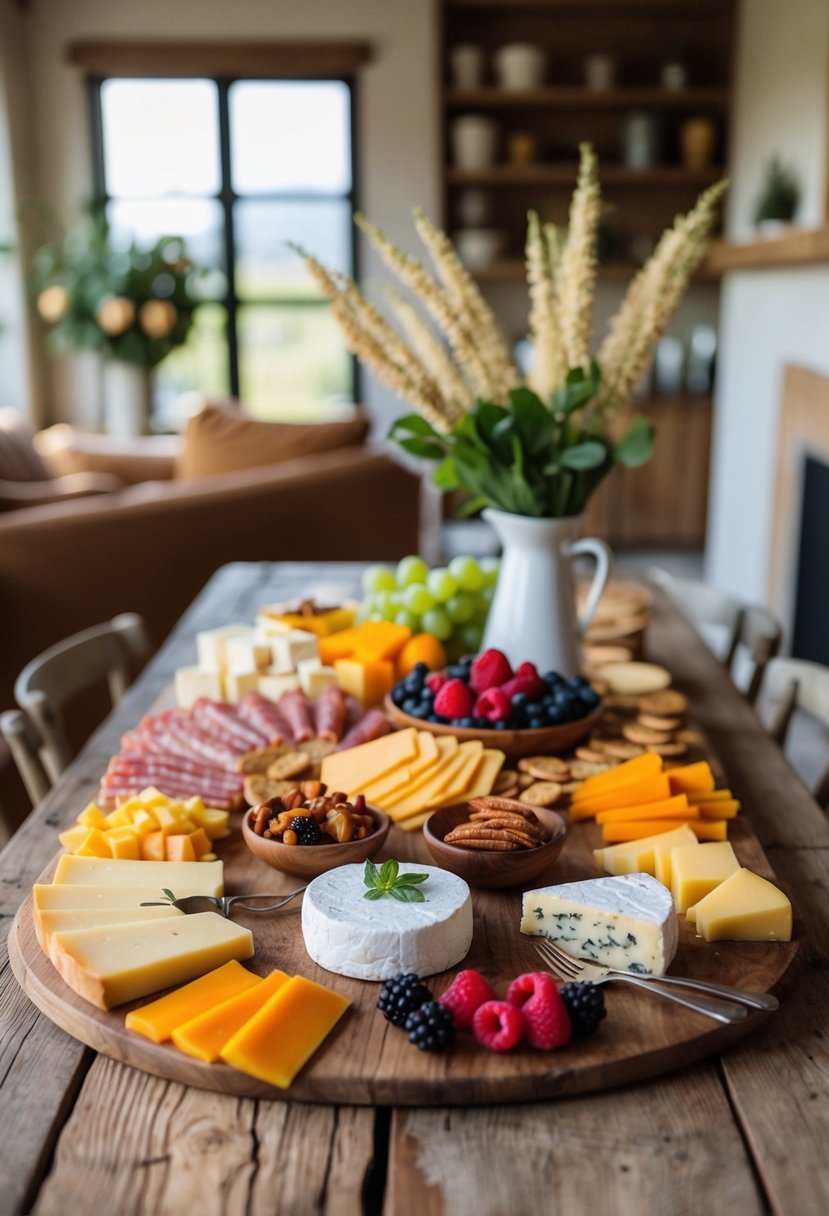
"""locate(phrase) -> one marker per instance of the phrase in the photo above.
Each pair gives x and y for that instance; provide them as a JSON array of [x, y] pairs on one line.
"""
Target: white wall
[[398, 98], [768, 317]]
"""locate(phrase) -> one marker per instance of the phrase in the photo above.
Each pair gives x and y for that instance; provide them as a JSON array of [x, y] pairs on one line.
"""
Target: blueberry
[[552, 679], [398, 695], [413, 686], [437, 718], [421, 668], [410, 706], [519, 699], [456, 672], [579, 682], [466, 723], [482, 723], [427, 696], [466, 664], [502, 725]]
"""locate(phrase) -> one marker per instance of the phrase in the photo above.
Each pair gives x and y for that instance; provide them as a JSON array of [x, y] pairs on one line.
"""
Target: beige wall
[[398, 117], [768, 317]]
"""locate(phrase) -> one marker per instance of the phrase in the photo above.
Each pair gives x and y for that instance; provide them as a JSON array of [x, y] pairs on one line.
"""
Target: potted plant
[[531, 453], [133, 305], [778, 200]]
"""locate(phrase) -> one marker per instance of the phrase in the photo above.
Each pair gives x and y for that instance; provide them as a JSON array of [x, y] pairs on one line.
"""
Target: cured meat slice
[[151, 773], [223, 718], [353, 711], [294, 705], [371, 726], [330, 713], [265, 716]]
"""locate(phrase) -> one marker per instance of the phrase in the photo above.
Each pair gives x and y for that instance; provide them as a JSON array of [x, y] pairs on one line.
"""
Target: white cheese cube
[[627, 923], [210, 645], [290, 648], [314, 679], [272, 684], [195, 682], [270, 627], [237, 683], [247, 654]]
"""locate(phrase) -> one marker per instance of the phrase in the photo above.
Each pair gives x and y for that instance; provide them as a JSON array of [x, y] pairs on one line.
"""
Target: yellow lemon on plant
[[115, 314], [422, 648], [157, 318], [52, 303]]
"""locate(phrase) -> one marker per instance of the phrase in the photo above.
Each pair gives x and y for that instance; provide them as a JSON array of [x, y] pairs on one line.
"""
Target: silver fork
[[567, 968]]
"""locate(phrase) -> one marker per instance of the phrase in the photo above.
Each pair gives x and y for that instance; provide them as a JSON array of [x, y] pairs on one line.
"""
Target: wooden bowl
[[546, 741], [489, 869], [309, 861]]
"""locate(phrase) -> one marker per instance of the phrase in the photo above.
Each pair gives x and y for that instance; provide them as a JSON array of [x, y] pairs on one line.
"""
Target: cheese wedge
[[427, 755], [129, 961], [447, 747], [424, 793], [640, 856], [663, 849], [55, 896], [744, 908], [158, 1020], [279, 1039], [205, 877], [698, 869], [48, 923], [350, 770], [204, 1035]]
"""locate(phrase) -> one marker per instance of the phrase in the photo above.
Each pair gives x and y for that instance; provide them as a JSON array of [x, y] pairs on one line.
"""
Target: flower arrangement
[[538, 448], [134, 305], [779, 196]]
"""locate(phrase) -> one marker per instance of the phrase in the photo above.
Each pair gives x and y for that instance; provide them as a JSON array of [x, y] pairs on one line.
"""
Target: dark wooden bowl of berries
[[309, 831], [521, 712]]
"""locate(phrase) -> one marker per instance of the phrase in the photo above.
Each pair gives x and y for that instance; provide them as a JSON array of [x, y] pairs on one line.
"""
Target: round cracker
[[506, 779], [257, 761], [635, 679], [291, 764], [590, 755], [623, 749], [668, 749], [667, 702], [542, 793], [582, 769], [259, 788], [544, 768], [316, 749], [656, 723], [637, 733]]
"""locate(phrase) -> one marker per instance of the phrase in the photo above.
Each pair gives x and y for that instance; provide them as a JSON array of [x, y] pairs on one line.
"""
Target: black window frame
[[227, 196]]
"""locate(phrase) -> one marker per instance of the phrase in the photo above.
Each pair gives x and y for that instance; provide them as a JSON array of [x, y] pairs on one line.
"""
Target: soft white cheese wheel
[[376, 939]]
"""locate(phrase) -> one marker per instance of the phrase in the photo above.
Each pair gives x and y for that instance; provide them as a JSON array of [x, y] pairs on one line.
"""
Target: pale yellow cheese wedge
[[489, 766], [639, 856], [698, 869], [663, 852], [428, 754], [424, 793], [48, 923], [206, 877], [447, 747], [204, 1036], [125, 962], [358, 766], [55, 896], [744, 908]]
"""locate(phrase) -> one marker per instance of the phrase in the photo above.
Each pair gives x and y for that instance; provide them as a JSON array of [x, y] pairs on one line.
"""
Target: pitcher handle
[[604, 559]]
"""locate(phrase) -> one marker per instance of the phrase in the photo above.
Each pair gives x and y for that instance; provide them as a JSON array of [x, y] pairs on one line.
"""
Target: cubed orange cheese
[[179, 848], [366, 679], [93, 817], [201, 842], [73, 838], [278, 1040], [94, 844], [123, 844], [158, 1020], [691, 778], [204, 1035], [151, 846]]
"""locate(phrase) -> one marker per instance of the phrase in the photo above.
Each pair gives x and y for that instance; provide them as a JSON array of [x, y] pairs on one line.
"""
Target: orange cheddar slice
[[158, 1020], [715, 796], [353, 769], [204, 1036], [703, 829], [647, 765], [635, 793], [721, 809], [278, 1040], [669, 808], [428, 755], [691, 778]]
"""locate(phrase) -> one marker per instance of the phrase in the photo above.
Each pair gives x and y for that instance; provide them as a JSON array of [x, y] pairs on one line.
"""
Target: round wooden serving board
[[366, 1060]]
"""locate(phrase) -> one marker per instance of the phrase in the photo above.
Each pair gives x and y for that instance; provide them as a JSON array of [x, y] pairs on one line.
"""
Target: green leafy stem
[[528, 458], [389, 881]]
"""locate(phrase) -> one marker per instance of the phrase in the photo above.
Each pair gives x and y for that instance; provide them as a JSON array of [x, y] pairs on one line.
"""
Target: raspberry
[[531, 685], [454, 700], [546, 1020], [498, 1026], [436, 681], [490, 670], [464, 995], [494, 704], [528, 670]]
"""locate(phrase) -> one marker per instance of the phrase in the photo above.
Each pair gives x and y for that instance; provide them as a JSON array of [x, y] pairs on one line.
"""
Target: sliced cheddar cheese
[[158, 1020], [634, 793], [204, 1035], [691, 778], [670, 808], [350, 770], [647, 765]]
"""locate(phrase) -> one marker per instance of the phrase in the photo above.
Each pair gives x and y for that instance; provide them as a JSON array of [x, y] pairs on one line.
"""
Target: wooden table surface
[[743, 1133]]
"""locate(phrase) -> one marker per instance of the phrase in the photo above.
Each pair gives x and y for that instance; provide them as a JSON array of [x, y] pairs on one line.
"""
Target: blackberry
[[585, 1004], [401, 996], [307, 829], [431, 1027]]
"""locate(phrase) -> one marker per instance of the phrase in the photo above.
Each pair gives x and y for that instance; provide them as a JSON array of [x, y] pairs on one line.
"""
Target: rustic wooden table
[[745, 1132]]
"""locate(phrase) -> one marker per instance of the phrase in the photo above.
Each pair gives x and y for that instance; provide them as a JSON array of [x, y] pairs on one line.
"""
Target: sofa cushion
[[224, 439], [19, 461], [55, 490], [66, 450]]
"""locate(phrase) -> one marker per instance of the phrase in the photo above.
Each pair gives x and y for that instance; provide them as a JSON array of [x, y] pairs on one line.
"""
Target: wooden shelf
[[513, 270], [797, 247], [564, 174], [696, 7], [564, 97]]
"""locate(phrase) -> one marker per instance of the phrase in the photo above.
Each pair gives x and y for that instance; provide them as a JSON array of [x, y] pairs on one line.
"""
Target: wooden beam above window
[[226, 58]]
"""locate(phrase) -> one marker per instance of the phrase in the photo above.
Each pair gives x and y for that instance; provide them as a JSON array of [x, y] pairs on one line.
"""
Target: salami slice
[[371, 726], [223, 718], [330, 713], [294, 705], [353, 711], [265, 716]]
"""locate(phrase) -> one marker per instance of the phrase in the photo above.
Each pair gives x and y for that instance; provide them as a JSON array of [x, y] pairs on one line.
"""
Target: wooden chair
[[750, 633], [35, 732], [795, 684]]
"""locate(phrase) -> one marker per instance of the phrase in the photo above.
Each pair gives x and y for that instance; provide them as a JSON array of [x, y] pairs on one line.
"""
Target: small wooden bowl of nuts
[[309, 831]]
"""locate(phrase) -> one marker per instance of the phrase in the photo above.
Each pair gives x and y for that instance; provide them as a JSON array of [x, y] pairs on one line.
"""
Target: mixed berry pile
[[483, 692]]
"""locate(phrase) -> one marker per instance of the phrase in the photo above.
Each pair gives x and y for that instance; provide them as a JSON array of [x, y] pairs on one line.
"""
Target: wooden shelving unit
[[578, 97]]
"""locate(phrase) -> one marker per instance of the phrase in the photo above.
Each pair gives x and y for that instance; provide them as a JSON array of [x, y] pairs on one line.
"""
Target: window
[[239, 167]]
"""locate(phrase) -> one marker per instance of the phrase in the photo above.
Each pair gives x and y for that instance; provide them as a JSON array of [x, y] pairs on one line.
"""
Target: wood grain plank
[[136, 1144], [667, 1146]]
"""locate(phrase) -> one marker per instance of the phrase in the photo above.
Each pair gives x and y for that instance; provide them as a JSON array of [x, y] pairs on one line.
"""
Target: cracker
[[668, 749], [688, 735], [543, 768], [524, 779], [635, 679], [543, 793], [259, 788], [581, 769], [623, 749], [637, 733], [656, 723], [666, 703], [258, 760], [291, 764], [590, 755], [316, 749], [505, 780], [570, 787], [512, 791]]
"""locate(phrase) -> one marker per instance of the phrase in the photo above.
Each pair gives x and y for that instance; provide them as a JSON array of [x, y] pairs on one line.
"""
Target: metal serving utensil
[[222, 903]]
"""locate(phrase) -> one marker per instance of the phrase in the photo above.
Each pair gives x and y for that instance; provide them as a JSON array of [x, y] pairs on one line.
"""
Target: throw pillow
[[224, 439], [18, 459]]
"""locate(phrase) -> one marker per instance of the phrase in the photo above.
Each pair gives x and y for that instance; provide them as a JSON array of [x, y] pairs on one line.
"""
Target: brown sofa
[[151, 547]]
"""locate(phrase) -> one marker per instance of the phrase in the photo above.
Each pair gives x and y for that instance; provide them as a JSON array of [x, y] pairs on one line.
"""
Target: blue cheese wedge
[[627, 923]]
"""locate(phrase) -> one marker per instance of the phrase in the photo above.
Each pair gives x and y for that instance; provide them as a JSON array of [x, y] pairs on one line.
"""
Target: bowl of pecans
[[308, 831], [495, 842]]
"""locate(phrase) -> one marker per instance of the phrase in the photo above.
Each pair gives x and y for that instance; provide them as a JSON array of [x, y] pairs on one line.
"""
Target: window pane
[[266, 268], [290, 135], [292, 361], [198, 221], [160, 137], [198, 367]]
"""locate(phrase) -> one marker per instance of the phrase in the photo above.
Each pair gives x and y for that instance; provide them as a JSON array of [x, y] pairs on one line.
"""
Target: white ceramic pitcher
[[533, 613]]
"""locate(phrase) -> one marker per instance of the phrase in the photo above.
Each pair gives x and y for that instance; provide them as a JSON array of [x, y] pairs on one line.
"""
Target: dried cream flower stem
[[576, 278], [548, 365], [433, 354]]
